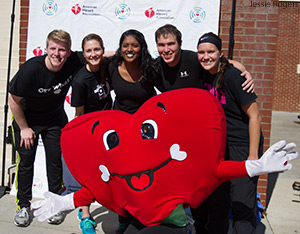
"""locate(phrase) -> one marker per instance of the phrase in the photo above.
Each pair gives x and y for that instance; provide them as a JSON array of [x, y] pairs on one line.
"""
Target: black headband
[[210, 39]]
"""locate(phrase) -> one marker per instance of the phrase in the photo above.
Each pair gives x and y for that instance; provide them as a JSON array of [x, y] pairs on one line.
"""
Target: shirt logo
[[56, 89], [184, 74], [102, 90], [99, 89], [219, 95]]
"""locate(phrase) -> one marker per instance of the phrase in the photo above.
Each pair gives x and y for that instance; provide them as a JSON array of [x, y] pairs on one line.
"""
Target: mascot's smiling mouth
[[143, 180]]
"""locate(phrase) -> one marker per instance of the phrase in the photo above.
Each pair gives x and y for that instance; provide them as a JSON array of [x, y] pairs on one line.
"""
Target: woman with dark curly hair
[[132, 71]]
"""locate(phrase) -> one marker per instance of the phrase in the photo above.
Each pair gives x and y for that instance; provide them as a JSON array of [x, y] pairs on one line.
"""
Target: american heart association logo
[[37, 51], [76, 9], [150, 12]]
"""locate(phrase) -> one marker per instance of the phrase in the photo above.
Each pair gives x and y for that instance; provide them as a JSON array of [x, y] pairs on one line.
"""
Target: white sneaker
[[22, 217]]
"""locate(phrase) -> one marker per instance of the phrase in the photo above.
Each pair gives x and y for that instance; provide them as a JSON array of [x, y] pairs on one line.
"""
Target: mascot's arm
[[83, 197], [229, 170], [53, 203], [273, 160]]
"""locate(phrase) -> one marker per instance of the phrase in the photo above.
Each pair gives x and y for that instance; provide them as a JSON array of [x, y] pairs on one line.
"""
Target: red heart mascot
[[170, 152]]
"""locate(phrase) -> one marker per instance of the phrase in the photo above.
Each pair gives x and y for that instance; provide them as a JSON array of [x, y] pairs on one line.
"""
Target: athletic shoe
[[87, 226], [22, 217], [57, 219]]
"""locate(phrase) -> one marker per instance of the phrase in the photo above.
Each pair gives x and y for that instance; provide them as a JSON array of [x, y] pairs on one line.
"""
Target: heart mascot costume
[[170, 152]]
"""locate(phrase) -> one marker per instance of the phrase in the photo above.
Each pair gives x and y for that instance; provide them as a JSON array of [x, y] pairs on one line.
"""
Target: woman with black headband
[[244, 136]]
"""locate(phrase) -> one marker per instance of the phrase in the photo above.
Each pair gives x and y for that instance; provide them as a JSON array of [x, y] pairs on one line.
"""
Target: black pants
[[135, 227], [212, 216], [243, 195], [25, 162]]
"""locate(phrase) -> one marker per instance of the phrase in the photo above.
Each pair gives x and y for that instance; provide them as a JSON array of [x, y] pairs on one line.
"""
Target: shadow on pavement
[[106, 220], [272, 178]]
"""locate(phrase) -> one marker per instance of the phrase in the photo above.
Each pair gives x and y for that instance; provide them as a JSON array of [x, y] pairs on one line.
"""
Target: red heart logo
[[68, 98], [150, 12], [76, 9], [37, 51], [140, 182]]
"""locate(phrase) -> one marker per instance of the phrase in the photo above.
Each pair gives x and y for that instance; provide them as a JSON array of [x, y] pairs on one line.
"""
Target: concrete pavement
[[106, 221], [283, 209]]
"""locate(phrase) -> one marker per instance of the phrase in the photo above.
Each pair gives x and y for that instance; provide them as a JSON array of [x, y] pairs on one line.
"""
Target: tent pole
[[4, 188], [231, 32]]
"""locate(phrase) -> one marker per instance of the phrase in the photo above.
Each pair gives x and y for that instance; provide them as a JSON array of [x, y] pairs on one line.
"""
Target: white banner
[[110, 19]]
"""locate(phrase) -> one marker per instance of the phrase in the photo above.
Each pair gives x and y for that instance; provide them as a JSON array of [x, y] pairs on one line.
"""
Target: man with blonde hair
[[36, 99]]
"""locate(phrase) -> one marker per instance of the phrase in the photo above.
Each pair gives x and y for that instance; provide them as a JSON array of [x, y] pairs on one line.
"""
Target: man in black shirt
[[36, 98]]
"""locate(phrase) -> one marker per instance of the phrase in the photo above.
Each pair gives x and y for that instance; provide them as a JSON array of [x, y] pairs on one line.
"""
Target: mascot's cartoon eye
[[110, 139], [149, 129]]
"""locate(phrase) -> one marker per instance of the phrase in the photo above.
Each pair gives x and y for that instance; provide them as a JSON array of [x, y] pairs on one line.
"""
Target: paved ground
[[284, 206], [106, 221]]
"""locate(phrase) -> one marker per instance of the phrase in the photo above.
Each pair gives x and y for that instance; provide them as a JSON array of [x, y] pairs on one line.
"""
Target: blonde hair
[[59, 36]]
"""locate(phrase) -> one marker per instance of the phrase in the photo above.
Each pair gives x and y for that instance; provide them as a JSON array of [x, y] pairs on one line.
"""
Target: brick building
[[266, 42]]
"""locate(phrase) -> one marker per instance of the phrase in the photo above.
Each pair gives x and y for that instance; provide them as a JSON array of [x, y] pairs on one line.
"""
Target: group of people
[[38, 90]]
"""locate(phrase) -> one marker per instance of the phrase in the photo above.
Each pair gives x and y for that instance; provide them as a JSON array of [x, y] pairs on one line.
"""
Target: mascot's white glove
[[273, 160], [51, 205]]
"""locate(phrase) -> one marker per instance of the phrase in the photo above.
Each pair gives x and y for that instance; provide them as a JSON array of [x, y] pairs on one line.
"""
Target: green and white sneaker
[[22, 217]]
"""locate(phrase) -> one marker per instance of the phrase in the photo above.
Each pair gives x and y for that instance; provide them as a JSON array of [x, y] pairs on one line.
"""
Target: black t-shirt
[[232, 101], [129, 96], [188, 73], [87, 90], [44, 91]]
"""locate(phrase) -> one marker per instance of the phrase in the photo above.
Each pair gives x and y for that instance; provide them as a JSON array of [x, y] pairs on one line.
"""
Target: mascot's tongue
[[140, 182]]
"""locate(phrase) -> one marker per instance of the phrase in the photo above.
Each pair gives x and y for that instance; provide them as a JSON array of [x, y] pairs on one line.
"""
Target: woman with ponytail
[[244, 138]]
